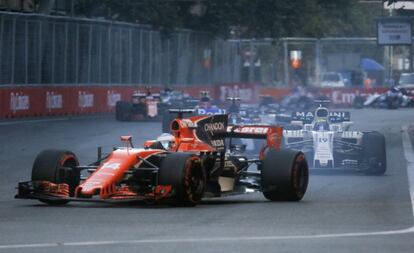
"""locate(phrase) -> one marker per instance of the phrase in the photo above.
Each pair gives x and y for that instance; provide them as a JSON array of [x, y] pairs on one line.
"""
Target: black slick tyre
[[185, 174], [284, 175], [123, 111], [393, 103], [167, 117], [358, 102], [373, 153], [57, 166]]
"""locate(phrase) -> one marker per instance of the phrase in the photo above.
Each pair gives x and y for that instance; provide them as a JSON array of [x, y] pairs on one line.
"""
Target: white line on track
[[239, 239], [409, 155]]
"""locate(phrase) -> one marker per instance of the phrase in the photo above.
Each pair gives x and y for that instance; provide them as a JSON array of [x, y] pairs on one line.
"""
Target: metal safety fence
[[37, 49]]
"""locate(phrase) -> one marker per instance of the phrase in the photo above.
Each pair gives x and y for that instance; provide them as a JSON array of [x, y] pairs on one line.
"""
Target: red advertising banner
[[247, 92], [18, 102], [345, 96]]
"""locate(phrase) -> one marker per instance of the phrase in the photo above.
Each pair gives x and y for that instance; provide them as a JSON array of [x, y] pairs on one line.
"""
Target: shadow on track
[[208, 202], [340, 172]]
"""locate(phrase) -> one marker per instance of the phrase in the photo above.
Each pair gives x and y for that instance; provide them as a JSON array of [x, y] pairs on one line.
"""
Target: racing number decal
[[323, 140]]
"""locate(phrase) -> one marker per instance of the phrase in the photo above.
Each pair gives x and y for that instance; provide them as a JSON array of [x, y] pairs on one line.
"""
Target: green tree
[[251, 18]]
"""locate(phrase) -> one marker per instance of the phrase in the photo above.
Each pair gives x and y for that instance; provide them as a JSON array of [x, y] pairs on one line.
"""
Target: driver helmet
[[166, 140], [205, 102], [394, 89]]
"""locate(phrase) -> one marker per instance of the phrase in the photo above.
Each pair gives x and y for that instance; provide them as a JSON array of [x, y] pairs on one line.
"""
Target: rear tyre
[[373, 153], [393, 103], [162, 110], [57, 166], [186, 176], [123, 111], [305, 103], [167, 117], [358, 102], [284, 175]]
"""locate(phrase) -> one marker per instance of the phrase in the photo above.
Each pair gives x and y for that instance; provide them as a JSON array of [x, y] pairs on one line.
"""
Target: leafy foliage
[[244, 18]]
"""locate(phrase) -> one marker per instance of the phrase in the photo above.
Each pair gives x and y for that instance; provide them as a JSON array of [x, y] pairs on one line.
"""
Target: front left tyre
[[374, 156], [57, 166]]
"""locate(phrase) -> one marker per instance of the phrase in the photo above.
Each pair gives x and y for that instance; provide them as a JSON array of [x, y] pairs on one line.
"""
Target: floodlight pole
[[411, 58], [251, 61], [286, 62], [390, 51]]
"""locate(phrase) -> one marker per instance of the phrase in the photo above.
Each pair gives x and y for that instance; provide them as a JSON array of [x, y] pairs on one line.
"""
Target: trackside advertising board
[[41, 101]]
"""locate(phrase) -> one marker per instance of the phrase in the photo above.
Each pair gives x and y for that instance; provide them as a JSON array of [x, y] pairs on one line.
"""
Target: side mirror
[[335, 128], [307, 127], [297, 122]]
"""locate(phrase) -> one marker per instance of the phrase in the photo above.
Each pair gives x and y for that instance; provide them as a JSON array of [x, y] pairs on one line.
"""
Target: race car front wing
[[48, 191]]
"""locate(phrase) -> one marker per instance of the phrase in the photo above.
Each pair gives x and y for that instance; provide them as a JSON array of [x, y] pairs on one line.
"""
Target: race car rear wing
[[272, 134], [250, 131], [214, 129]]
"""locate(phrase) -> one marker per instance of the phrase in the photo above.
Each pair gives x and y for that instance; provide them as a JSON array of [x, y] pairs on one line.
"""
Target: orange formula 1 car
[[179, 168]]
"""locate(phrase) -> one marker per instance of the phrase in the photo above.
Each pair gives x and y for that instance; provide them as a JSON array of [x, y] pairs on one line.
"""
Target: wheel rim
[[70, 161], [194, 180], [300, 176]]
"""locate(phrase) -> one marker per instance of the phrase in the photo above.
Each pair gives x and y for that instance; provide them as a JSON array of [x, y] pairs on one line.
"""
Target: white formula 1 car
[[326, 140]]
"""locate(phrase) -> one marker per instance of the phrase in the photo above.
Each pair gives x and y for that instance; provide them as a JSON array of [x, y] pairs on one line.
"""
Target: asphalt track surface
[[343, 211]]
